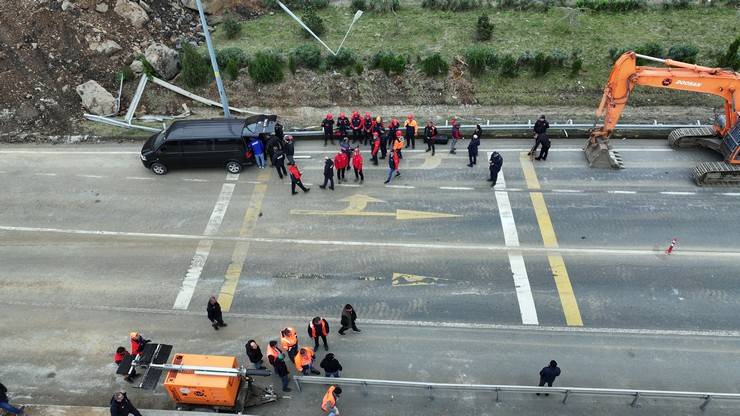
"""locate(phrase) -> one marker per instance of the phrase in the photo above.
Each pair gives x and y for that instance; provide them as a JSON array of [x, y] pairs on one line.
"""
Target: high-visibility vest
[[329, 402], [272, 352], [289, 341], [300, 362], [322, 325]]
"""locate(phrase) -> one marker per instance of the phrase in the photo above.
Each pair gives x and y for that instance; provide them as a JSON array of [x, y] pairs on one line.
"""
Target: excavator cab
[[730, 147]]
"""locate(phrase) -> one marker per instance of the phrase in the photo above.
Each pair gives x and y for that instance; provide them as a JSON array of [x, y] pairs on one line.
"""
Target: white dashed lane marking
[[678, 193], [138, 178]]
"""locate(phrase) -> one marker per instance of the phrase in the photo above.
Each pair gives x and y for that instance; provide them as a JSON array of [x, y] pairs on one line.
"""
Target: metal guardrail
[[635, 394]]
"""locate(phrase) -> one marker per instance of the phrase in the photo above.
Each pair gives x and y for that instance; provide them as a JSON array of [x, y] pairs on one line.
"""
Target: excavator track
[[693, 136], [716, 173]]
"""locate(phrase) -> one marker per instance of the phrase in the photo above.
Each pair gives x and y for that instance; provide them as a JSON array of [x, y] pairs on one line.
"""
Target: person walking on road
[[213, 308], [341, 161], [289, 148], [540, 131], [254, 353], [494, 167], [548, 375], [349, 316], [393, 162], [329, 402], [273, 350], [411, 127], [430, 134], [331, 366], [281, 369], [380, 129], [318, 328], [5, 402], [328, 173], [278, 160], [328, 125], [473, 151], [456, 135], [289, 342], [295, 178], [120, 405], [258, 150], [357, 165], [304, 361]]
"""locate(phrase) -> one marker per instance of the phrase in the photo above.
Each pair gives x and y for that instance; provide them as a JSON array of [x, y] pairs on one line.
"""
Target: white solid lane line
[[678, 193], [91, 176], [622, 192], [456, 188], [45, 174], [232, 176], [400, 186], [194, 180], [204, 248], [139, 178], [567, 191], [730, 193]]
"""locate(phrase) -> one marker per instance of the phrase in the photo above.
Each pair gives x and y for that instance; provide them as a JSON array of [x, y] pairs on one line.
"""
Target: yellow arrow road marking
[[404, 214], [431, 162], [400, 214], [403, 279], [358, 202]]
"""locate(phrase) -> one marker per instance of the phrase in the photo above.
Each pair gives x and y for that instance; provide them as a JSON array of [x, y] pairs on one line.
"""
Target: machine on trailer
[[723, 137], [200, 382]]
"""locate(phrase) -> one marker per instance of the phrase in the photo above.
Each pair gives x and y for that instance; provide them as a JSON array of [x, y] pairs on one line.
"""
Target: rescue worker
[[367, 126], [343, 125], [281, 369], [328, 173], [278, 160], [357, 126], [494, 167], [295, 178], [118, 357], [393, 163], [391, 135], [473, 151], [289, 342], [331, 366], [289, 148], [279, 133], [540, 130], [357, 165], [137, 343], [349, 316], [341, 161], [430, 134], [375, 147], [254, 353], [411, 127], [5, 402], [121, 406], [545, 141], [213, 308], [318, 328], [548, 375], [304, 361], [456, 135], [398, 144], [273, 350], [347, 150], [328, 125], [272, 145], [380, 129], [329, 402]]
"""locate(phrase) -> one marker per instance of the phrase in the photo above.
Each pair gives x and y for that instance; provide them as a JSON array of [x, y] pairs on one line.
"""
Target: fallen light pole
[[214, 62]]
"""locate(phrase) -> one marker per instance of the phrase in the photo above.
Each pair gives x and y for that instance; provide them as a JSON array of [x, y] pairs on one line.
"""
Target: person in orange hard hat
[[329, 402], [304, 361], [411, 128], [289, 342]]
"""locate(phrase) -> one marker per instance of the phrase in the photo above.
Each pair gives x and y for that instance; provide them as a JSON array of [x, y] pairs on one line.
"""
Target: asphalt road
[[453, 281]]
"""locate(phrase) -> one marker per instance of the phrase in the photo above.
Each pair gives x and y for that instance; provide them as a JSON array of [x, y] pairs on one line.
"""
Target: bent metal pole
[[214, 63]]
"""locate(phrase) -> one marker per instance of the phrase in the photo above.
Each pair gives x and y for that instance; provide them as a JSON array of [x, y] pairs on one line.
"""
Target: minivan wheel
[[234, 167], [159, 168]]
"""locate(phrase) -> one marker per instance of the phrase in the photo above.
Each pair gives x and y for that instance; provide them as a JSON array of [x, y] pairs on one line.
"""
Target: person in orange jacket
[[304, 361], [393, 164], [341, 161], [318, 328], [273, 350], [329, 402], [289, 342], [411, 128], [295, 178], [367, 127], [357, 165]]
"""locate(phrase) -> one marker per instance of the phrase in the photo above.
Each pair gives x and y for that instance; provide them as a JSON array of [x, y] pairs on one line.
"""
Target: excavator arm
[[626, 74]]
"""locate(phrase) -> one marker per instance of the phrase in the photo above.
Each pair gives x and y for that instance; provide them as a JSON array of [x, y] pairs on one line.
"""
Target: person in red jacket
[[367, 126], [295, 178], [137, 343], [341, 161], [375, 143], [357, 124], [120, 354], [357, 165]]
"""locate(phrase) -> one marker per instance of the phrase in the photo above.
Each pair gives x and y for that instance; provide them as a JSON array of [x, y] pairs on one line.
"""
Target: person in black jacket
[[331, 366], [548, 375], [279, 131], [5, 402], [473, 150], [494, 167], [540, 132], [430, 133], [214, 313], [272, 144], [282, 371], [289, 148], [328, 173], [328, 125], [254, 353], [121, 406], [278, 160], [545, 141], [349, 316], [478, 131]]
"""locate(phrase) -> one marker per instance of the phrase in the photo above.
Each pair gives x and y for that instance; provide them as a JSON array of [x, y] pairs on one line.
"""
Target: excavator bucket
[[599, 154]]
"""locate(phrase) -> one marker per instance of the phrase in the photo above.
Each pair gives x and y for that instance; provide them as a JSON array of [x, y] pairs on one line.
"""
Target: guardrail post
[[297, 383], [567, 393], [431, 396], [635, 401], [706, 402], [364, 388], [497, 392]]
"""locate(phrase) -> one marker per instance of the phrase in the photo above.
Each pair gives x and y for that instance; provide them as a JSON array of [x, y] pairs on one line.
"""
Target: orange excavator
[[723, 137]]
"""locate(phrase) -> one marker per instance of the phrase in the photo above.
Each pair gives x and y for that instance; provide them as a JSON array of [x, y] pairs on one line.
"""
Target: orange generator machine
[[200, 382]]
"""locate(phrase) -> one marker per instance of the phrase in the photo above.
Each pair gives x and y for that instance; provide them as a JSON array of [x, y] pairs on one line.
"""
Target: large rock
[[163, 59], [209, 6], [107, 48], [96, 99], [131, 12], [101, 8]]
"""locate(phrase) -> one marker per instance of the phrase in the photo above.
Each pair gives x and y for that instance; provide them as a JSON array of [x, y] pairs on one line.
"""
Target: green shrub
[[296, 4], [615, 53], [531, 5], [478, 59], [509, 67], [575, 67], [557, 58], [541, 63], [358, 5], [525, 59], [232, 27], [125, 74], [678, 5], [484, 28], [344, 58], [148, 68], [307, 55], [292, 66], [313, 21], [359, 68], [612, 6], [684, 53], [196, 69], [453, 5], [347, 71], [650, 49], [223, 56], [232, 69], [266, 67], [434, 65], [389, 62], [731, 58], [383, 6]]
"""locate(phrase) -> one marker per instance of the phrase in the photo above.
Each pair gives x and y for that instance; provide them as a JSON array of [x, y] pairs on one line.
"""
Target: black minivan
[[206, 143]]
